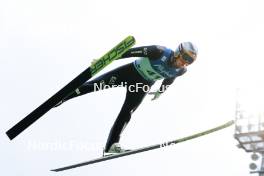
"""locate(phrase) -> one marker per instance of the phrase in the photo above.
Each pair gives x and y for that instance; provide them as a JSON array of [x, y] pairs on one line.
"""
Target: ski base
[[88, 73], [144, 149]]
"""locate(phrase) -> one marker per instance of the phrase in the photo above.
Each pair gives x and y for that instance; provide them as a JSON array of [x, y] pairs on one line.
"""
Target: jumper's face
[[183, 58], [178, 61]]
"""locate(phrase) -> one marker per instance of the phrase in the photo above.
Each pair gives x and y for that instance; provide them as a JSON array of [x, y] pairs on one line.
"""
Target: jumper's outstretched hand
[[156, 95]]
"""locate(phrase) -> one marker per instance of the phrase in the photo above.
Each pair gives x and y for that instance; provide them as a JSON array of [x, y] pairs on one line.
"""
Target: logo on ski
[[88, 73], [112, 55]]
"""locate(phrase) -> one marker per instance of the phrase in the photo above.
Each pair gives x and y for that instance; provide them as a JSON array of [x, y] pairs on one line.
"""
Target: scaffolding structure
[[249, 132]]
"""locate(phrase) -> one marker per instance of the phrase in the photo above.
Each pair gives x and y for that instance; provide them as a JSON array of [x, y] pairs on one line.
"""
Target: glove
[[156, 95]]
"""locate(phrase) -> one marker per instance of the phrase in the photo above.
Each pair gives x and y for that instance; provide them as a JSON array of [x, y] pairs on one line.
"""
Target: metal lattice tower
[[249, 132]]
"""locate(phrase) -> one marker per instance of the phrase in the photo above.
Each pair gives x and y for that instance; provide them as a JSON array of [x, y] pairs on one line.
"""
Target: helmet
[[188, 51]]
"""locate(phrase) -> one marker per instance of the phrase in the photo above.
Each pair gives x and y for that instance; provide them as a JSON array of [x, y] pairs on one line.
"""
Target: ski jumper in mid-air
[[154, 63]]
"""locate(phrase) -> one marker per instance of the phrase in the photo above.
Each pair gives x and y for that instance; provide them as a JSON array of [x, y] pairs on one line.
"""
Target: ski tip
[[231, 122], [130, 37], [54, 170]]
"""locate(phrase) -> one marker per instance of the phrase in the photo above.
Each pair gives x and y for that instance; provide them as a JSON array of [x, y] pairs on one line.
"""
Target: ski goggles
[[187, 58]]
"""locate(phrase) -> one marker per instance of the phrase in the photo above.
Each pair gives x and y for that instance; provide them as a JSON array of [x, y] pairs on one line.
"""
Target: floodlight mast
[[249, 132]]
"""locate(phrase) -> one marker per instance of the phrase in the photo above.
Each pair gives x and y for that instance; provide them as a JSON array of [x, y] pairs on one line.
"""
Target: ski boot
[[115, 149]]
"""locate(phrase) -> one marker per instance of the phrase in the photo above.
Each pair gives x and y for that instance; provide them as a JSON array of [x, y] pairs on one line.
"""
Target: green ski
[[102, 62], [144, 149]]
